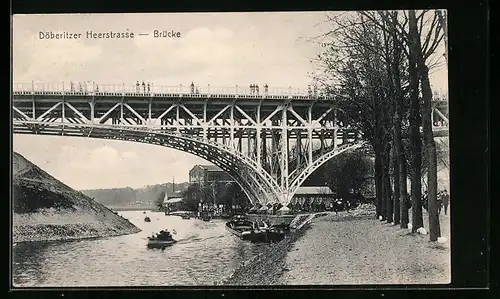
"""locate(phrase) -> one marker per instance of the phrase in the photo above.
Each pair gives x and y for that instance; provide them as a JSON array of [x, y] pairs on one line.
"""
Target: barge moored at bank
[[250, 231]]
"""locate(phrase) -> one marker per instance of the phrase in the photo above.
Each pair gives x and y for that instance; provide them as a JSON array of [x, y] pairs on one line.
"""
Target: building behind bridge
[[205, 175], [216, 191], [173, 203]]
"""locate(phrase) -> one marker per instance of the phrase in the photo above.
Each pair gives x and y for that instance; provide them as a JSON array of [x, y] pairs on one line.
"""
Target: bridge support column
[[150, 119], [91, 112], [310, 146], [335, 141], [284, 149], [298, 147]]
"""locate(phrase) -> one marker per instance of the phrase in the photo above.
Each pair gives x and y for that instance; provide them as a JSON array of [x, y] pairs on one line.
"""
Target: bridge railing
[[89, 87], [93, 87]]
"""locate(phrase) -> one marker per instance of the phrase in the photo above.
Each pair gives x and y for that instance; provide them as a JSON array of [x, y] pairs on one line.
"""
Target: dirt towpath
[[340, 249]]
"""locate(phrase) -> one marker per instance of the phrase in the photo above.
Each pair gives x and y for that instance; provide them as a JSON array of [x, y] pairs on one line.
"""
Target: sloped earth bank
[[47, 210], [52, 225], [351, 248]]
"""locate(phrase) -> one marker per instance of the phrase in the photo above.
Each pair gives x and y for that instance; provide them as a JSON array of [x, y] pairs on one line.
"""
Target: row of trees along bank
[[376, 65]]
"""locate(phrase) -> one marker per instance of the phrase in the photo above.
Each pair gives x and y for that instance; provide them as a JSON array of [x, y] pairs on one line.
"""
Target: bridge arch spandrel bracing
[[255, 187], [267, 142]]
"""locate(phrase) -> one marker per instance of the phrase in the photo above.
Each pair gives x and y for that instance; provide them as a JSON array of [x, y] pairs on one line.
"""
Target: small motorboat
[[147, 219], [185, 216], [162, 239], [156, 242]]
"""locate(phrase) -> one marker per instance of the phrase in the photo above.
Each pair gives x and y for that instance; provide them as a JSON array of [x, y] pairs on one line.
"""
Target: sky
[[220, 49]]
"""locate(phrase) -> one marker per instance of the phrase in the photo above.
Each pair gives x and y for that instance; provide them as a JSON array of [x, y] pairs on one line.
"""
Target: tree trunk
[[400, 172], [378, 182], [416, 146], [387, 186], [430, 146], [403, 188], [395, 167]]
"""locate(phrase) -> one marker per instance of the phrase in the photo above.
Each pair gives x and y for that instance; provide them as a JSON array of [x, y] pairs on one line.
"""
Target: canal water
[[205, 253]]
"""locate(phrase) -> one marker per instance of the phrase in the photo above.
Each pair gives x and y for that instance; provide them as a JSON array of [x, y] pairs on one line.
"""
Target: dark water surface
[[205, 253]]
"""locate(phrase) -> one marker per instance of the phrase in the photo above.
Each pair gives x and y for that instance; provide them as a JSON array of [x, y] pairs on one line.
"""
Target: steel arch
[[256, 187]]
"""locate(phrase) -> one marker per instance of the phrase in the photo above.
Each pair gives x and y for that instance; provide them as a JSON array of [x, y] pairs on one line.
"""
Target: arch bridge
[[268, 142]]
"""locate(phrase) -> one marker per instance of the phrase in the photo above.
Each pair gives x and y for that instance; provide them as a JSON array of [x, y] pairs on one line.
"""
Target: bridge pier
[[285, 198]]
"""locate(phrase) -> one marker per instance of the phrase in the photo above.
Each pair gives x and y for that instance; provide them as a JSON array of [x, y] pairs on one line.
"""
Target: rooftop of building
[[209, 167], [313, 190]]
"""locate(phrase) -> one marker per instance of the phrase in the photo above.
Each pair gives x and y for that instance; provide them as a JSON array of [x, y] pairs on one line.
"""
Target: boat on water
[[250, 231], [147, 219], [162, 239], [154, 242], [185, 216]]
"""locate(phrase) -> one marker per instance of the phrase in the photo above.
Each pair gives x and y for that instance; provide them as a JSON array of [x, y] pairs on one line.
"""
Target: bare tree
[[421, 52]]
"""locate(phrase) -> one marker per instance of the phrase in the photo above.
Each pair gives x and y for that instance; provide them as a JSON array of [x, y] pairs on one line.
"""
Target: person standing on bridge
[[266, 89], [149, 88], [137, 87], [251, 88], [72, 86], [257, 89], [192, 88], [309, 90], [143, 87]]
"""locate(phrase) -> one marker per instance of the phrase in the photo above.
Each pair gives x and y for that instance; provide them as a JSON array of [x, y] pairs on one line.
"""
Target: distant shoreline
[[134, 208]]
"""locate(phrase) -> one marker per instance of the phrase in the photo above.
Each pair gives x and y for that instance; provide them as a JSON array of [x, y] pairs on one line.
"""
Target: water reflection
[[204, 253], [27, 260]]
